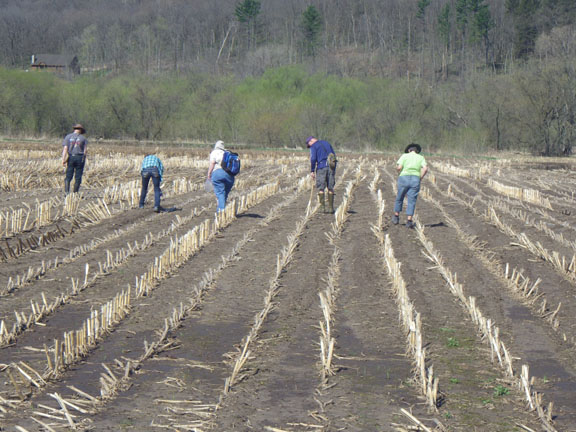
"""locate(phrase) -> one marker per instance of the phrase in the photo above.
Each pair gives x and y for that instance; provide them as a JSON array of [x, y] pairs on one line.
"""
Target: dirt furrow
[[559, 220], [550, 359], [471, 384], [285, 364], [149, 315], [199, 365], [557, 288], [374, 376]]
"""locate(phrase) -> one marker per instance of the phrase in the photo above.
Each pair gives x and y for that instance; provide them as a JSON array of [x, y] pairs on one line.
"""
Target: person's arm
[[423, 171], [85, 150], [399, 164], [212, 165], [160, 170], [64, 155], [313, 161]]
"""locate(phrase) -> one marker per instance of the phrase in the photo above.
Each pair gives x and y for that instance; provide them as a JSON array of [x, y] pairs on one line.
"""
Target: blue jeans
[[223, 183], [74, 169], [408, 186], [147, 174]]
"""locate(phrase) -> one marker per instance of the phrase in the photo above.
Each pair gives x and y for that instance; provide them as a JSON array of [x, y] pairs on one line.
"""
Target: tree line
[[432, 39], [532, 109]]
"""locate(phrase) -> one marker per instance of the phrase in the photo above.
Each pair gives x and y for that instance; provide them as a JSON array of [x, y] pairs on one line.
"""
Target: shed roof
[[53, 59]]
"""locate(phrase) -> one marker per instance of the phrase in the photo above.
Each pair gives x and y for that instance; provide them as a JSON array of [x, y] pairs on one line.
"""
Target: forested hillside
[[351, 37], [480, 74]]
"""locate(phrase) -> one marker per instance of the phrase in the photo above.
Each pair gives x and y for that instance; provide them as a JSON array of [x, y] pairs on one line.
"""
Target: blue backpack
[[231, 162]]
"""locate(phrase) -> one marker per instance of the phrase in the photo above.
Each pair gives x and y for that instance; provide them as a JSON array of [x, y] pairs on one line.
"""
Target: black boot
[[76, 187], [66, 187]]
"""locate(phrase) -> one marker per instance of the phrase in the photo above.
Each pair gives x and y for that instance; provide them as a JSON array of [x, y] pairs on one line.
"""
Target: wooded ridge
[[469, 75], [426, 38]]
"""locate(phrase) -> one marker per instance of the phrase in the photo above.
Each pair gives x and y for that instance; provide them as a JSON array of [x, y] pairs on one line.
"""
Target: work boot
[[76, 187], [66, 187], [321, 201], [331, 202]]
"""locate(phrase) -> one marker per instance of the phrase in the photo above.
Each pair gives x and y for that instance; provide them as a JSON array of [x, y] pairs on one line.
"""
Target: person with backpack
[[412, 168], [74, 157], [323, 164], [224, 165]]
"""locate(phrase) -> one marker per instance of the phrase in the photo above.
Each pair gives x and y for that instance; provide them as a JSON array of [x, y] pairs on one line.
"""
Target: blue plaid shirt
[[151, 161]]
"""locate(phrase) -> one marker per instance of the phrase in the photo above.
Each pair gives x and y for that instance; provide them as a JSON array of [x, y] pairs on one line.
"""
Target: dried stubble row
[[565, 267], [282, 261], [39, 310], [479, 173], [529, 195], [528, 220], [110, 385], [18, 281], [78, 250], [240, 357], [78, 343], [514, 279], [557, 188], [181, 249], [104, 167], [328, 297], [409, 317], [17, 222], [91, 213], [489, 332]]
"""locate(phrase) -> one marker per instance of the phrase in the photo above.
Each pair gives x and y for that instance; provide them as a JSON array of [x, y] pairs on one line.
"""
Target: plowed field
[[277, 316]]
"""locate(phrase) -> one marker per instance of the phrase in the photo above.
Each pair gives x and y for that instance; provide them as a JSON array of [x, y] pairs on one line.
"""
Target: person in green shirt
[[412, 168]]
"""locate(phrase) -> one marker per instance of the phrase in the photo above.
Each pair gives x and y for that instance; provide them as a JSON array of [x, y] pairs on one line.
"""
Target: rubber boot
[[76, 187], [321, 201], [66, 187], [331, 202]]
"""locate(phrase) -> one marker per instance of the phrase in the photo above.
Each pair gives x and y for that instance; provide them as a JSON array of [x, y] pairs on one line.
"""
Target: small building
[[66, 64]]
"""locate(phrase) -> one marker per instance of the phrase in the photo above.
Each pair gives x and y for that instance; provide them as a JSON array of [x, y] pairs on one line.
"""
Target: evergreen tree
[[462, 14], [445, 25], [311, 27], [558, 13], [482, 23], [524, 13], [247, 13], [422, 6]]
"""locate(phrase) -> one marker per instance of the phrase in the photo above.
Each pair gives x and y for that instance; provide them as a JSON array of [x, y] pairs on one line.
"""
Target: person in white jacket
[[222, 181]]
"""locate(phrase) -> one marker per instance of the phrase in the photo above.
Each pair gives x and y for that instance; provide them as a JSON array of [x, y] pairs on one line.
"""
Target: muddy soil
[[280, 385]]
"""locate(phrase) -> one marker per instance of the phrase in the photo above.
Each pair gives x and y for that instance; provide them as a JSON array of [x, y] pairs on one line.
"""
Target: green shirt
[[411, 163]]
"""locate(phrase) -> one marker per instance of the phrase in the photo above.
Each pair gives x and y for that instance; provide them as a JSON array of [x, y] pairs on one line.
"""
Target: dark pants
[[147, 174], [75, 169], [325, 178]]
